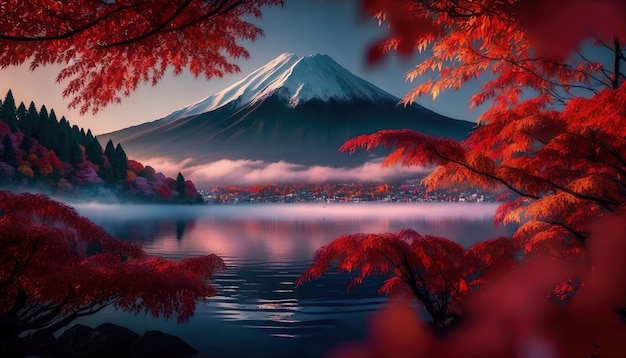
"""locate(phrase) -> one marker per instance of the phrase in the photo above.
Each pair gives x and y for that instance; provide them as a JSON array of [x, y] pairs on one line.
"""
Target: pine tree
[[108, 173], [21, 114], [93, 150], [64, 140], [121, 162], [8, 113], [62, 146], [109, 151], [33, 119], [43, 132], [8, 154], [75, 154], [27, 143], [55, 138], [181, 187]]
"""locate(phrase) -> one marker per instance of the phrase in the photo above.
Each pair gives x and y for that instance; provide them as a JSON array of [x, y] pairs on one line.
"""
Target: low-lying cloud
[[250, 172]]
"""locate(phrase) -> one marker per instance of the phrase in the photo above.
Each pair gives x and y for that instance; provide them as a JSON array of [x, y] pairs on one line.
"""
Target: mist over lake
[[266, 247]]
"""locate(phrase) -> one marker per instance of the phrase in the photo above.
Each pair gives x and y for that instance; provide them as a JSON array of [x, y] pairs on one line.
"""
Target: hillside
[[39, 152]]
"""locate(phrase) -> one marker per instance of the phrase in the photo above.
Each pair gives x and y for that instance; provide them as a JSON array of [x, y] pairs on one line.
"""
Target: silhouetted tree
[[93, 149], [32, 120], [180, 186], [8, 113]]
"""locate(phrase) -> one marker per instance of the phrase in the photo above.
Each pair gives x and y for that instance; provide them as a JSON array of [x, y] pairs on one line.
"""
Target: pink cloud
[[250, 172]]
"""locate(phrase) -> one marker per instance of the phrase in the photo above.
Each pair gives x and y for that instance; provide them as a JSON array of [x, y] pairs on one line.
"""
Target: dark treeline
[[39, 151]]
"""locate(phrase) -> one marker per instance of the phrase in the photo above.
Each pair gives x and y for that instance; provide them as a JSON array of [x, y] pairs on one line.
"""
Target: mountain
[[294, 109]]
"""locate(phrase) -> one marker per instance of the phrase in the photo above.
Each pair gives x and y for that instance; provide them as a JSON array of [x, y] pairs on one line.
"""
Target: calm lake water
[[258, 312]]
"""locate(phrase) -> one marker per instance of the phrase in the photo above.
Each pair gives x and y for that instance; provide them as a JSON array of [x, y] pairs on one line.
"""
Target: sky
[[303, 27]]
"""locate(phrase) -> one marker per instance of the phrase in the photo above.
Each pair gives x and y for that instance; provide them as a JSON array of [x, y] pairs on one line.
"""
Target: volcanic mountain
[[294, 109]]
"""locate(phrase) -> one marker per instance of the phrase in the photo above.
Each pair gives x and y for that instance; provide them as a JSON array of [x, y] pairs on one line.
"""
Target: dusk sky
[[303, 27]]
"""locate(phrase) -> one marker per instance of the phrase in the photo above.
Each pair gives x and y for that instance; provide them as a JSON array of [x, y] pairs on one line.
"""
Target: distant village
[[335, 193]]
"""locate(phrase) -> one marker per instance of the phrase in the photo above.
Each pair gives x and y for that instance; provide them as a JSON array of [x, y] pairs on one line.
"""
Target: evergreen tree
[[27, 143], [76, 134], [8, 112], [8, 154], [62, 146], [121, 162], [55, 137], [121, 154], [181, 187], [108, 173], [22, 120], [33, 119], [75, 154], [109, 151], [63, 140], [93, 151], [43, 133]]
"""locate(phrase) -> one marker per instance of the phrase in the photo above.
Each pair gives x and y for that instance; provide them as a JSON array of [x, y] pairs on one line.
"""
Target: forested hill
[[39, 152]]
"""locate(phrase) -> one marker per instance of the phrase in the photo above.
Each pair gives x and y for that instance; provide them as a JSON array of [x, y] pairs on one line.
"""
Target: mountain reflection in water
[[266, 248]]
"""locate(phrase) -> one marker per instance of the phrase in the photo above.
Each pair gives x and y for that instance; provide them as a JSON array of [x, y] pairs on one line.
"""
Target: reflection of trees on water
[[181, 226], [262, 232], [149, 230]]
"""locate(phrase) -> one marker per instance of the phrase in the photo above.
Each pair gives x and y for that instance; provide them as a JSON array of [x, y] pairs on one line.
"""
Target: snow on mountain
[[295, 79]]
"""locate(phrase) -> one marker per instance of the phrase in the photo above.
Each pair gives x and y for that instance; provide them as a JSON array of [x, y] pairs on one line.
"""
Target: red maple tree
[[57, 266], [558, 147], [437, 271], [108, 48], [553, 137]]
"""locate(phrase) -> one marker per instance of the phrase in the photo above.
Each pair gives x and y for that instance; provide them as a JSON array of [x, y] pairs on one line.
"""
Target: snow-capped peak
[[295, 79]]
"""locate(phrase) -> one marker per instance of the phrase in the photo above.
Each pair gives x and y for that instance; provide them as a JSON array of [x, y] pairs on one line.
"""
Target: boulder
[[110, 340], [106, 340], [156, 344], [75, 341]]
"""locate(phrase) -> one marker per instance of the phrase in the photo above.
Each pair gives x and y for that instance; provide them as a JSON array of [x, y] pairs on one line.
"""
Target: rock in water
[[110, 340], [75, 340], [156, 344]]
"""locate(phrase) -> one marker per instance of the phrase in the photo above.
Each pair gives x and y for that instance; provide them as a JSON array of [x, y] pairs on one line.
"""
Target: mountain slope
[[295, 79], [294, 109]]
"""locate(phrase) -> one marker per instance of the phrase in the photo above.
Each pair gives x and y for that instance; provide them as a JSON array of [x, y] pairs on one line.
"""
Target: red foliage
[[516, 149], [48, 279], [497, 41], [109, 48], [437, 271], [557, 28], [512, 317], [190, 189], [135, 166], [554, 138]]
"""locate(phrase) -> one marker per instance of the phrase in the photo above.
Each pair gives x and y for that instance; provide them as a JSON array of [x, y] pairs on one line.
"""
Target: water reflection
[[266, 248]]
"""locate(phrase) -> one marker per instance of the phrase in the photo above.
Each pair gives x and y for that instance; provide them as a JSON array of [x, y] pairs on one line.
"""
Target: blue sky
[[304, 27]]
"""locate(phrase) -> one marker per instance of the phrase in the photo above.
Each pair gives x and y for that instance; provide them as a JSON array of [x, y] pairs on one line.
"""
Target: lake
[[258, 311]]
